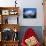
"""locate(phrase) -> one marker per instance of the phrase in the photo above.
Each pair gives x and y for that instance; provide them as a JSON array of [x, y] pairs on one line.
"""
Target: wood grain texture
[[10, 26]]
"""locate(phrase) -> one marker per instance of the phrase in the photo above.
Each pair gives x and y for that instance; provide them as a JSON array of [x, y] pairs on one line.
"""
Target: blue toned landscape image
[[29, 12]]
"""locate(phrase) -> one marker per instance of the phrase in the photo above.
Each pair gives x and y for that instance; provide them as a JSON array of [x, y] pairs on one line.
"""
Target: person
[[30, 38]]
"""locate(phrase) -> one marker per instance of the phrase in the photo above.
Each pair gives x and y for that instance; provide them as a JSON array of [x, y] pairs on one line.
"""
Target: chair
[[29, 33]]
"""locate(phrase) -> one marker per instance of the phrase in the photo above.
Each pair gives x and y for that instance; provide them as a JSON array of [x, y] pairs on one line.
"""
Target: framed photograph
[[5, 12], [29, 12]]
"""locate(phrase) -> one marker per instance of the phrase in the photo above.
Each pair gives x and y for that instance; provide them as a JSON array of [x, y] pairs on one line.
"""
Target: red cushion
[[29, 33]]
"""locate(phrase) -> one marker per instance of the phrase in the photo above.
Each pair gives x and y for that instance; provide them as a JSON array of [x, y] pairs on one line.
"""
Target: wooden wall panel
[[11, 26]]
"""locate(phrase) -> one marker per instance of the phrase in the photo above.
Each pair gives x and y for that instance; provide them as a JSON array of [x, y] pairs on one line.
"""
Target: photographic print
[[29, 12], [5, 12]]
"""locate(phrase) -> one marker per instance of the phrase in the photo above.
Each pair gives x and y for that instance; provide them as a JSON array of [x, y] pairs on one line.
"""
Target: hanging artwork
[[5, 12], [29, 12]]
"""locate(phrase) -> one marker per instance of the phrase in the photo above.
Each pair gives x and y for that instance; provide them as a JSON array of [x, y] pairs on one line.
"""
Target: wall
[[27, 4], [32, 4], [7, 3]]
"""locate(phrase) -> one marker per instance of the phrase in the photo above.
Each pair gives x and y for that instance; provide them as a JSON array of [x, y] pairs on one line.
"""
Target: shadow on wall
[[37, 29]]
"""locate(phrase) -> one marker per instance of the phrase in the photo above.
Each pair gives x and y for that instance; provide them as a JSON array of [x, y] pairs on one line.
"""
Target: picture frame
[[5, 12], [29, 12]]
